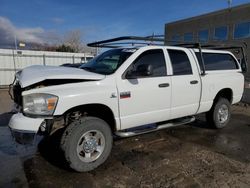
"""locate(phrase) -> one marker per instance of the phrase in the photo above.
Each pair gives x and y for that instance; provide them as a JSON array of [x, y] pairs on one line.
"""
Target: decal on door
[[125, 95]]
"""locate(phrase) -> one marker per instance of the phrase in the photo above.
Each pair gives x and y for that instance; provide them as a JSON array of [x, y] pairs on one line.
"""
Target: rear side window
[[180, 62], [216, 61]]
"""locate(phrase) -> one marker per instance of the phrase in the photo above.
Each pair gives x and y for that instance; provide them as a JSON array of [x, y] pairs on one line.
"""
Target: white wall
[[12, 60]]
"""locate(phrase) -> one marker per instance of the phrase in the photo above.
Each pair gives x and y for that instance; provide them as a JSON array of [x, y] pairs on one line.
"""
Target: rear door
[[186, 83]]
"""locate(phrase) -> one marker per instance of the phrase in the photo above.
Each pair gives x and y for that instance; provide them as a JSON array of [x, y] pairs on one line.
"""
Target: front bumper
[[24, 128]]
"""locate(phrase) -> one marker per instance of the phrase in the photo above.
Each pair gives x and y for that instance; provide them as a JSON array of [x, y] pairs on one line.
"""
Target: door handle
[[164, 85], [194, 82]]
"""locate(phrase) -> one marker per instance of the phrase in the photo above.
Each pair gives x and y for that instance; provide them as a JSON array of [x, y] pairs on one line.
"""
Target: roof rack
[[237, 47], [159, 40], [211, 45], [132, 40]]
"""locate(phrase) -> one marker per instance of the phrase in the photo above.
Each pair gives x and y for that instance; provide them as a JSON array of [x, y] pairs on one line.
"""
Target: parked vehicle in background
[[73, 65], [77, 65], [125, 92]]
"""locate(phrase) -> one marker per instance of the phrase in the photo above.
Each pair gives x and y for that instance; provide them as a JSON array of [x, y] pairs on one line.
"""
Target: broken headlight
[[39, 104]]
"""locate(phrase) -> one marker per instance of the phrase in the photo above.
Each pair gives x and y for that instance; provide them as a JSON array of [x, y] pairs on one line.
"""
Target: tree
[[73, 39], [65, 48]]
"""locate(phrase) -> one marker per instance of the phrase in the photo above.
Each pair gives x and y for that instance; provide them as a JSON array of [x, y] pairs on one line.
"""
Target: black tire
[[72, 136], [214, 117]]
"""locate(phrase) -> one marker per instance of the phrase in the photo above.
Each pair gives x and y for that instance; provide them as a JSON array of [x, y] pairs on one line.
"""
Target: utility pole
[[229, 3], [15, 43]]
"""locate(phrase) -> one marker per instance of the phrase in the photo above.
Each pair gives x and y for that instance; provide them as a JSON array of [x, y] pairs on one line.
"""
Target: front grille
[[17, 94]]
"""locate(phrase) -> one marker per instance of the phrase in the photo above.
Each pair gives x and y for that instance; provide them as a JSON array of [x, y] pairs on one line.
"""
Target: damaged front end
[[33, 111]]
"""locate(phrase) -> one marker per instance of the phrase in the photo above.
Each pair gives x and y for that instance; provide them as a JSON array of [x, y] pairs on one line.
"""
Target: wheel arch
[[97, 110], [226, 93]]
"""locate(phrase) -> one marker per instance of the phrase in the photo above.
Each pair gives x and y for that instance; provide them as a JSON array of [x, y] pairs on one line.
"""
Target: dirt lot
[[187, 156]]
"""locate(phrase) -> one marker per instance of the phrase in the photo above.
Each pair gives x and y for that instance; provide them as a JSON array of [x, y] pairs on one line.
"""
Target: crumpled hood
[[38, 73]]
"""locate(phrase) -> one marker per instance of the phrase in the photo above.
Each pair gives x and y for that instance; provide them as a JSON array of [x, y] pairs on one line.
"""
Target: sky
[[42, 21]]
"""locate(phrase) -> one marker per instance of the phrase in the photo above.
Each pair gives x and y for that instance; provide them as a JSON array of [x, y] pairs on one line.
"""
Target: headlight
[[39, 104]]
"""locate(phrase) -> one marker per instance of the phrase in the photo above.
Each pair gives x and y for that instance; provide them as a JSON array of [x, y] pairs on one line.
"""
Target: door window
[[180, 62], [153, 58]]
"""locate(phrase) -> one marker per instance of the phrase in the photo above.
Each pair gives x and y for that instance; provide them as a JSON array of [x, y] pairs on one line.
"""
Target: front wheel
[[220, 114], [87, 143]]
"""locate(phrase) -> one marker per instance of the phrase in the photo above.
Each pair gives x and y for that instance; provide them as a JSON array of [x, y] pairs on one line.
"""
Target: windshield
[[108, 62]]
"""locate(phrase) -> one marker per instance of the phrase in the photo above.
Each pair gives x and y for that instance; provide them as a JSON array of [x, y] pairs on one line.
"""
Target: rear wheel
[[87, 143], [220, 114]]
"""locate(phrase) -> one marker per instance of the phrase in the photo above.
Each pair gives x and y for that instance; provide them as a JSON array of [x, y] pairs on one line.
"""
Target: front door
[[144, 98]]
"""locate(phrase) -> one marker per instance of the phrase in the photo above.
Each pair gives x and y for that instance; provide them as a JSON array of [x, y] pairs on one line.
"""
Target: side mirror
[[144, 70], [141, 71]]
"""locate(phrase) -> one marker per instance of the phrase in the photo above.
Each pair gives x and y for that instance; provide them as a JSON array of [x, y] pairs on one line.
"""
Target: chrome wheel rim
[[223, 113], [90, 146]]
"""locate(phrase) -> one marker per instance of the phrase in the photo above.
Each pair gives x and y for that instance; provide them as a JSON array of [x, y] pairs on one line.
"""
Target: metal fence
[[13, 60]]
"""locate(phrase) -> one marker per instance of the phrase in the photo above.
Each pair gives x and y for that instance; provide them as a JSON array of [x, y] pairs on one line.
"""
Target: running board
[[150, 128]]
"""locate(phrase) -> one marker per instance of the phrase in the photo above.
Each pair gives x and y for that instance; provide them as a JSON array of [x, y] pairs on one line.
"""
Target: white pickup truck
[[124, 92]]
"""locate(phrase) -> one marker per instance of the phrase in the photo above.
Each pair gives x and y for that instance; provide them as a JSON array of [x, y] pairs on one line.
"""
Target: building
[[231, 25]]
